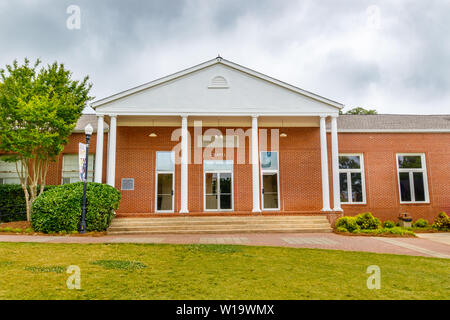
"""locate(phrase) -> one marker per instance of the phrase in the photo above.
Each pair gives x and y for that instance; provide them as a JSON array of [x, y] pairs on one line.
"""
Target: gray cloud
[[399, 65]]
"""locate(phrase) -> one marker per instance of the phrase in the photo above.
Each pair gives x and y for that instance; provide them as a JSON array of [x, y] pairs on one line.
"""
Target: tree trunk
[[27, 202]]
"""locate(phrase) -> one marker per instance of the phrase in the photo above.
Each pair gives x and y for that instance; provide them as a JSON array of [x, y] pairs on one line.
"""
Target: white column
[[324, 165], [335, 164], [184, 165], [111, 173], [255, 165], [99, 150]]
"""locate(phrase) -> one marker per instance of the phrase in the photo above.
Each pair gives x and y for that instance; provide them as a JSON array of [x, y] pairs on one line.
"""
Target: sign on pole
[[82, 160]]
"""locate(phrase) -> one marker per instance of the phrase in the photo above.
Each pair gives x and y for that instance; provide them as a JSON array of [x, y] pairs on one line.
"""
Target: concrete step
[[216, 219], [154, 217], [218, 227], [220, 224], [229, 231], [206, 222]]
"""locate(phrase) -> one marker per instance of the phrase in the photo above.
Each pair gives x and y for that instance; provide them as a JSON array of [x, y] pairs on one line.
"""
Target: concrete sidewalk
[[422, 246]]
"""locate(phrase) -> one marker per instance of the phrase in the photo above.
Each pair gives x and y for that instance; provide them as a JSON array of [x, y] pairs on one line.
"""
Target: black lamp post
[[88, 131]]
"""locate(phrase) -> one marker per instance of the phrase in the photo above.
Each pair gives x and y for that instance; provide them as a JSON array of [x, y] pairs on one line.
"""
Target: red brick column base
[[333, 216]]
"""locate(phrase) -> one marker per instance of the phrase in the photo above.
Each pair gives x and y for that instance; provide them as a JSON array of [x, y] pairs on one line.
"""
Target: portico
[[282, 125]]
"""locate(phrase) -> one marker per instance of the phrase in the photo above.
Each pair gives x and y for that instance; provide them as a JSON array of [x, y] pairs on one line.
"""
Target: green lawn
[[135, 271]]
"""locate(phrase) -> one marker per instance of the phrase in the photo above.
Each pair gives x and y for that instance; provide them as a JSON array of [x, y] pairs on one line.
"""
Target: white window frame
[[78, 169], [349, 181], [277, 171], [14, 172], [411, 182], [157, 172], [218, 187]]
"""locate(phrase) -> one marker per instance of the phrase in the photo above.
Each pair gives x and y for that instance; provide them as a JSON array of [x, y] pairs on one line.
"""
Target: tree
[[359, 110], [38, 111]]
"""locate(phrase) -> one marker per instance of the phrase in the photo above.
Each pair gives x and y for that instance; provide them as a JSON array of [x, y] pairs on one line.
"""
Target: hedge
[[59, 209], [12, 202]]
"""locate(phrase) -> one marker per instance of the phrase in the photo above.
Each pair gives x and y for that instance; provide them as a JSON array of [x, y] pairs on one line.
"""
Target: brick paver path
[[408, 246]]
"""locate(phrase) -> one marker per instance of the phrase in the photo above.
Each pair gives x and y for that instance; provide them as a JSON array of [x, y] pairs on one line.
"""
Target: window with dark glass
[[351, 179], [412, 178]]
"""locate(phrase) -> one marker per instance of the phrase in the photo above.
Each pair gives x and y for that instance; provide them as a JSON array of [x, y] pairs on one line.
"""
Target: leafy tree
[[38, 111], [359, 110]]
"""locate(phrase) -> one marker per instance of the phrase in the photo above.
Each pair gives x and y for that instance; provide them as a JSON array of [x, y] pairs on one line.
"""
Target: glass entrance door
[[165, 179], [218, 191], [270, 190], [270, 180], [211, 190], [164, 193]]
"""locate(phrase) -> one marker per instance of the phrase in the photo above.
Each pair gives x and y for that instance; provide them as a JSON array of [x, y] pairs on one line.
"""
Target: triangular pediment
[[216, 87]]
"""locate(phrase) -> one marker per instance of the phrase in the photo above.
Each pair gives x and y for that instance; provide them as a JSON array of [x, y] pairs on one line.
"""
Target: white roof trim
[[211, 62], [215, 114]]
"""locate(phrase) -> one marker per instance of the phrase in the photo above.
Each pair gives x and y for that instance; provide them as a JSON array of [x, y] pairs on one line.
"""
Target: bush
[[421, 223], [12, 202], [367, 221], [442, 222], [386, 231], [389, 224], [347, 223], [59, 209], [341, 229]]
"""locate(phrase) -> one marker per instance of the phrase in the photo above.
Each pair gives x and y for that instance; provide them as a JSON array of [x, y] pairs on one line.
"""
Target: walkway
[[422, 246]]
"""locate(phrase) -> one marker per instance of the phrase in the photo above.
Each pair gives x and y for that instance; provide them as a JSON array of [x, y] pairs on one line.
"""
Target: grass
[[148, 271]]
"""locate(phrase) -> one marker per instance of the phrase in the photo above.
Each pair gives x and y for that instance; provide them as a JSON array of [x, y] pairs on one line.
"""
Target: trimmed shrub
[[59, 209], [442, 222], [347, 223], [367, 221], [341, 229], [387, 231], [389, 224], [421, 223], [12, 202]]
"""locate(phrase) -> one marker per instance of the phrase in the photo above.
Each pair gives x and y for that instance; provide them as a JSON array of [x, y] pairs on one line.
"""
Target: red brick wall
[[136, 156], [300, 178], [382, 191], [54, 175]]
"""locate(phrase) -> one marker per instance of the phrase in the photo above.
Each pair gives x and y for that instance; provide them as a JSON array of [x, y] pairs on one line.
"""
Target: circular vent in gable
[[218, 82]]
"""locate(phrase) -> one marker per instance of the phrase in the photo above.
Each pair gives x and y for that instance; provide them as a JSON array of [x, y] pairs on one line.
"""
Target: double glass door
[[218, 191]]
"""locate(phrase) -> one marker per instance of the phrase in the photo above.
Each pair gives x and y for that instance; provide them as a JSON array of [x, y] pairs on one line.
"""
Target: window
[[71, 171], [8, 173], [351, 178], [270, 181], [412, 178]]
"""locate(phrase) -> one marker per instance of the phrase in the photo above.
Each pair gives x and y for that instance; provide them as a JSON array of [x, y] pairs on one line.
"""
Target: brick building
[[185, 144]]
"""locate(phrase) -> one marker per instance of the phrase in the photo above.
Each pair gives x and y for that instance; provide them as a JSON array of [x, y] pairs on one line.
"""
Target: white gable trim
[[206, 64]]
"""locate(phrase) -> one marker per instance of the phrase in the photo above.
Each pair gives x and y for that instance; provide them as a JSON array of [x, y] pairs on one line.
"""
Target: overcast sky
[[393, 56]]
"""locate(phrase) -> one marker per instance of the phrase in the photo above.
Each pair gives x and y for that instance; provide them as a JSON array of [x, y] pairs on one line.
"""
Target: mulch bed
[[16, 224], [25, 224]]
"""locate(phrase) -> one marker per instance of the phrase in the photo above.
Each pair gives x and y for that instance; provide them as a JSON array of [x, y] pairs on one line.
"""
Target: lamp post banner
[[82, 160]]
